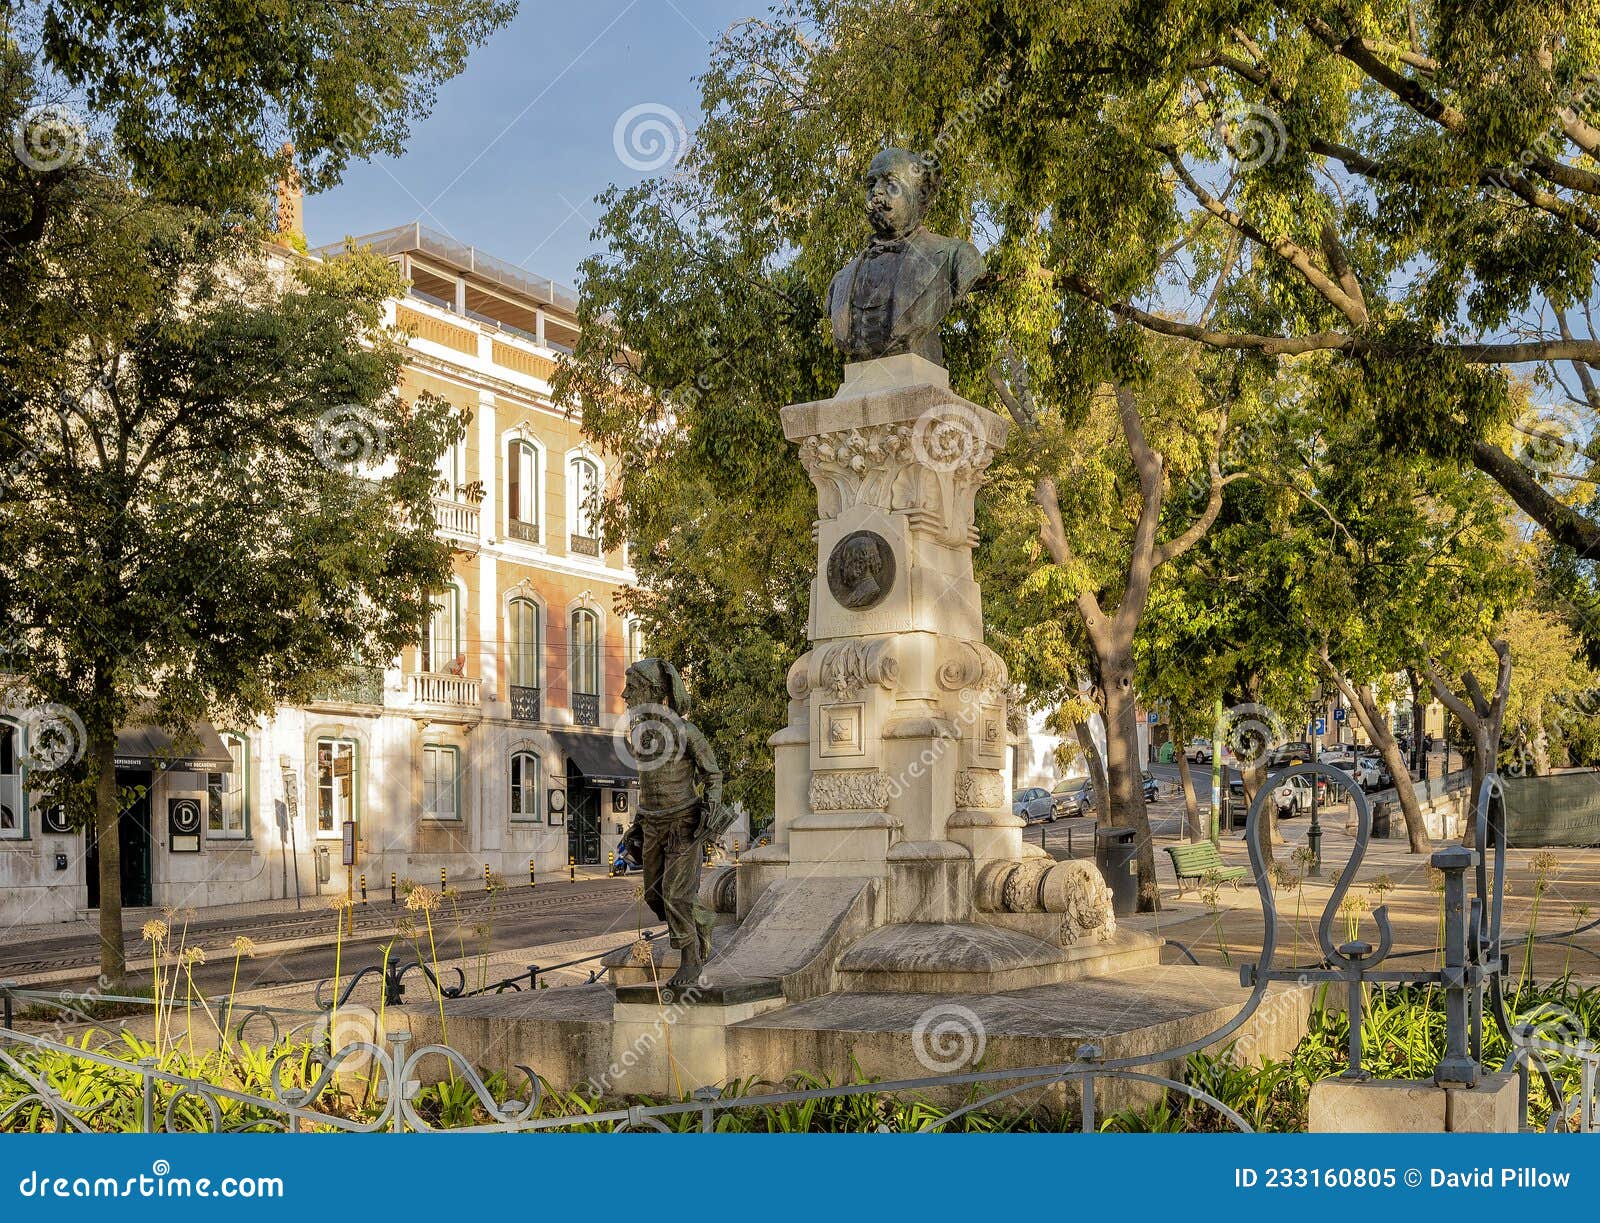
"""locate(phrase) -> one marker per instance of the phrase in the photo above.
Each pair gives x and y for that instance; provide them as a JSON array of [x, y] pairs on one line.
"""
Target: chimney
[[291, 212]]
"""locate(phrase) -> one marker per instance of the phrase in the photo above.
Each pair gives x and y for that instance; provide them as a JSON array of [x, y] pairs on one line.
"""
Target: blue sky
[[520, 143]]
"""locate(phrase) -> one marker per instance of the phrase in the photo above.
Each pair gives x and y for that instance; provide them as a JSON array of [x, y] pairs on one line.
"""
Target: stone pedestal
[[892, 763], [1414, 1106]]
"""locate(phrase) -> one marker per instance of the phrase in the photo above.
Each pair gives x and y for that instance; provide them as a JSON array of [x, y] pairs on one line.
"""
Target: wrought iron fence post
[[1458, 1066], [5, 992], [1090, 1054], [707, 1096], [1355, 952], [147, 1095]]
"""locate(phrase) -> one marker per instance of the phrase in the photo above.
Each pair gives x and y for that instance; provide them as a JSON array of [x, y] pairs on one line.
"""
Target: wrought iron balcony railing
[[586, 708], [524, 703], [528, 532], [585, 545], [355, 685]]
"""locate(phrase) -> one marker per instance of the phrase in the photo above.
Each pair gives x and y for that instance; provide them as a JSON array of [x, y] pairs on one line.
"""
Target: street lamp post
[[1314, 832]]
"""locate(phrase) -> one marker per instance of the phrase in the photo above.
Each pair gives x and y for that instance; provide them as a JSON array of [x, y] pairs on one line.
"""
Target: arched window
[[583, 646], [523, 646], [228, 794], [13, 822], [441, 645], [635, 635], [522, 491], [453, 469], [583, 502], [526, 780]]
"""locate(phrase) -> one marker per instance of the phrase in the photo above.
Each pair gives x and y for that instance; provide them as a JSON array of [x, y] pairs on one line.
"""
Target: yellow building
[[490, 744]]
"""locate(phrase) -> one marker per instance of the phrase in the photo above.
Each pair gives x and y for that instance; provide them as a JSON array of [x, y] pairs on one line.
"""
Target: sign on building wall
[[183, 825]]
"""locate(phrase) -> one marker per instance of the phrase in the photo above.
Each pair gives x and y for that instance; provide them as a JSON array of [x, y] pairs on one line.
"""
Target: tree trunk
[[1539, 744], [1366, 709], [108, 840], [1096, 767], [1418, 712], [1124, 775], [1191, 806]]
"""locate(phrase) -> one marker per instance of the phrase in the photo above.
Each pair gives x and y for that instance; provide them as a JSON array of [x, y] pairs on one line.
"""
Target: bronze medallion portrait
[[861, 570]]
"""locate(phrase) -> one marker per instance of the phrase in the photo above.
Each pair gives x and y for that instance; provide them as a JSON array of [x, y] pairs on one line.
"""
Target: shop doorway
[[583, 819], [133, 841]]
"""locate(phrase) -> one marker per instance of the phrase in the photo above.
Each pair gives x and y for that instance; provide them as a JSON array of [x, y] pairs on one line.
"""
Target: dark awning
[[153, 747], [595, 756]]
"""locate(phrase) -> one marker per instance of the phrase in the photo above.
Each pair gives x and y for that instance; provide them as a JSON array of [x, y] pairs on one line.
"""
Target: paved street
[[300, 946]]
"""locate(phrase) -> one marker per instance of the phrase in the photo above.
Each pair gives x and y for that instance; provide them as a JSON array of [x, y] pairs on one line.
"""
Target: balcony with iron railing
[[585, 545], [525, 703], [353, 685], [586, 708], [527, 532]]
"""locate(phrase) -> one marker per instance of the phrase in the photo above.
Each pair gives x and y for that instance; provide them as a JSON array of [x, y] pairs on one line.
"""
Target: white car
[[1199, 751], [1292, 797]]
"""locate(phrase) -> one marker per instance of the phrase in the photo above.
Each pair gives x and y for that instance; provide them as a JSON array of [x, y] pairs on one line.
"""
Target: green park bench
[[1199, 860]]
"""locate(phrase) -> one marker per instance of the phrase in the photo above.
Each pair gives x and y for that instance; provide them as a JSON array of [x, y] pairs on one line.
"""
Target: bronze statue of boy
[[680, 808]]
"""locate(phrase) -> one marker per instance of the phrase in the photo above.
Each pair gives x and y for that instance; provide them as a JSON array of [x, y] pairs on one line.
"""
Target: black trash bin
[[1380, 820], [1118, 859]]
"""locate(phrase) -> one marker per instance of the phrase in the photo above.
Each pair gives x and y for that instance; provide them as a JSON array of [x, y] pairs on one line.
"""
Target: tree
[[690, 339], [1102, 550], [215, 497], [198, 98]]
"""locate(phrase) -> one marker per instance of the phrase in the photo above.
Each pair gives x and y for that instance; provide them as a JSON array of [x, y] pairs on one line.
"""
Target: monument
[[896, 881]]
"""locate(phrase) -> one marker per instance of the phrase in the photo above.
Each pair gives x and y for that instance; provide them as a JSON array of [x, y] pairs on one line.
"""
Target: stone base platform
[[584, 1038], [975, 958]]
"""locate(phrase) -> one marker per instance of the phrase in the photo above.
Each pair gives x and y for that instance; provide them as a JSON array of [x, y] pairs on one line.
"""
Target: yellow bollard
[[572, 869], [363, 887], [394, 891], [443, 884], [485, 876], [533, 880]]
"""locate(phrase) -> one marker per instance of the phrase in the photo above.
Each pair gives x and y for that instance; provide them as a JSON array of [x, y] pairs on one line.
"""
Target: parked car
[[1293, 795], [1034, 805], [1073, 798], [1285, 754], [1372, 774], [1199, 750], [1152, 788], [1339, 756]]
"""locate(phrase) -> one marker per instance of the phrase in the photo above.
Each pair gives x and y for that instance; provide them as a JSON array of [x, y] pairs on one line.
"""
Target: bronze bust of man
[[680, 808], [892, 297]]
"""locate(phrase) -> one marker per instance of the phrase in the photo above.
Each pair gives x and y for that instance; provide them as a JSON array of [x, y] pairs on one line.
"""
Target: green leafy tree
[[214, 496], [198, 98]]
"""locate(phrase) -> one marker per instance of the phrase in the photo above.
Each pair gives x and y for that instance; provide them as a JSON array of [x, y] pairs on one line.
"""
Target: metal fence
[[1470, 973]]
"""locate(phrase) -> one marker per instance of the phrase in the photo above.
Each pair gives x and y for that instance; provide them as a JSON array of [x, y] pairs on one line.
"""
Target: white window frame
[[598, 687], [228, 794], [448, 602], [13, 781], [521, 796], [352, 811], [583, 511], [513, 653], [432, 809], [524, 459]]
